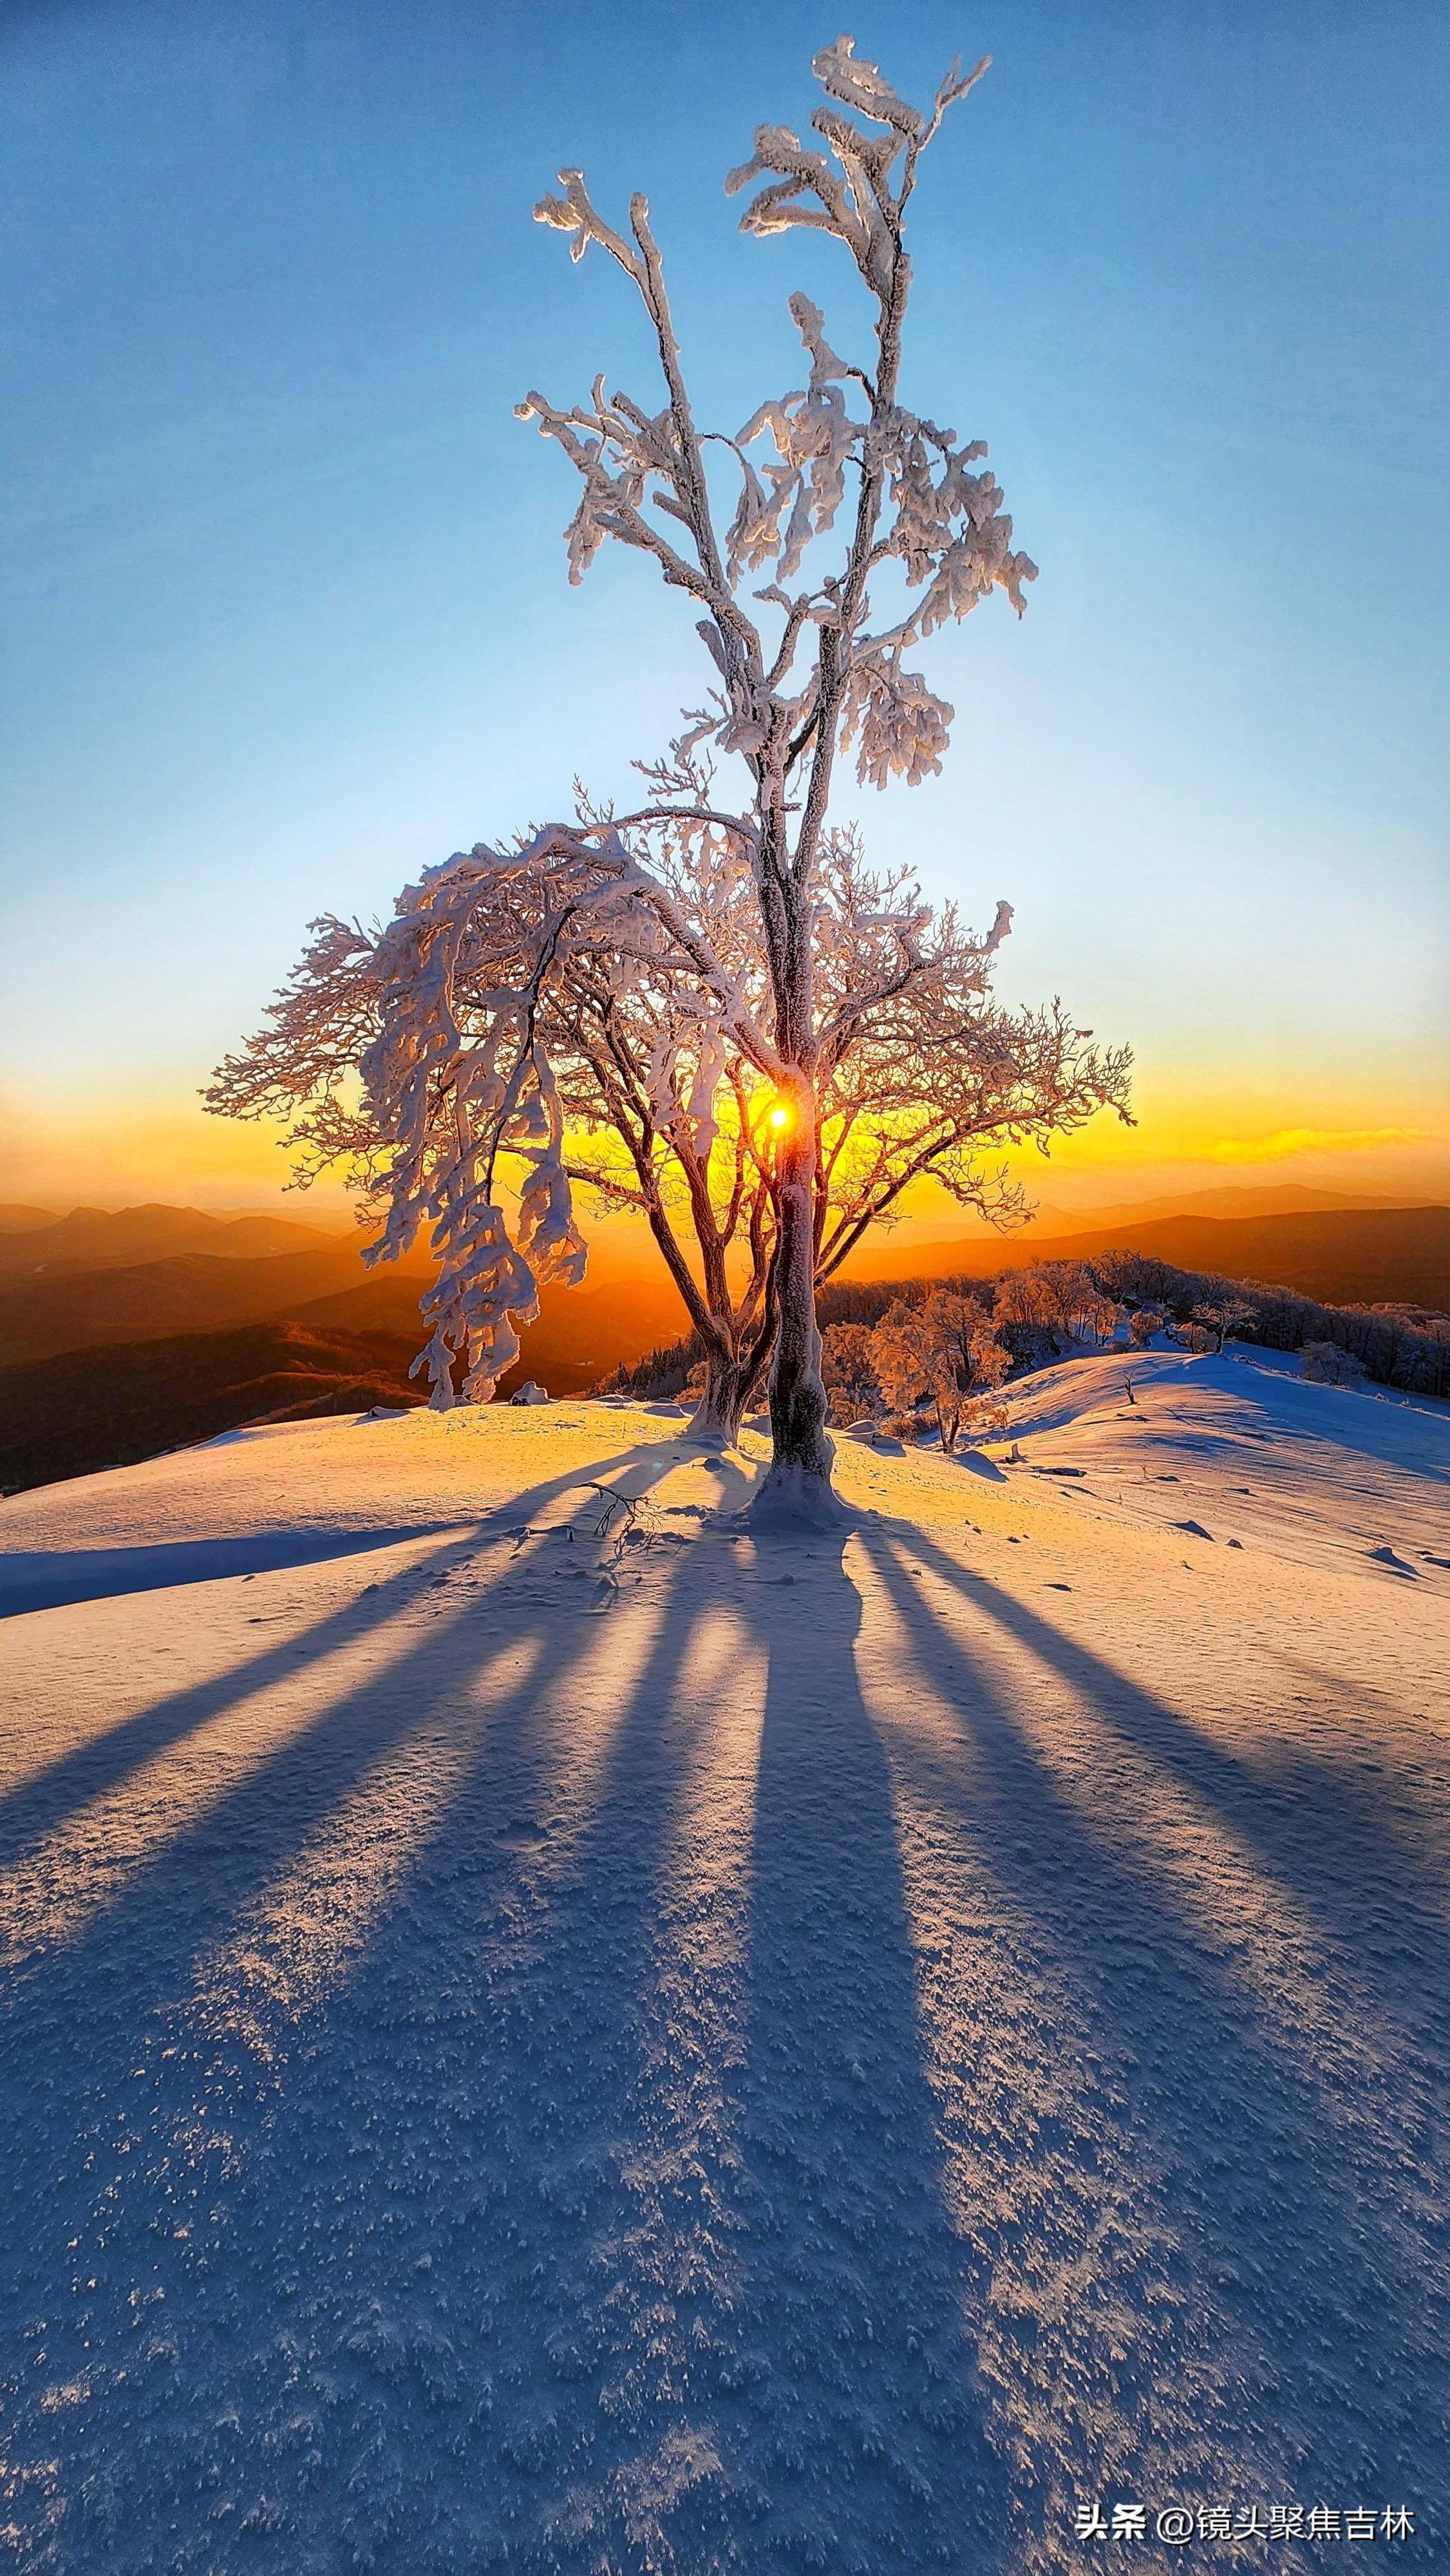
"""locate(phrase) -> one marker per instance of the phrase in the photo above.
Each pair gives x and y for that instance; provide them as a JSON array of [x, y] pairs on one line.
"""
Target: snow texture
[[593, 2041]]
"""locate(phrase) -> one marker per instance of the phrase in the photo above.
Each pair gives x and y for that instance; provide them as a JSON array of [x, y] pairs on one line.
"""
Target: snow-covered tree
[[1045, 1310], [1085, 1310], [1222, 1316], [1327, 1364], [525, 1015], [776, 1038], [922, 517], [943, 1352], [1143, 1323], [848, 1366]]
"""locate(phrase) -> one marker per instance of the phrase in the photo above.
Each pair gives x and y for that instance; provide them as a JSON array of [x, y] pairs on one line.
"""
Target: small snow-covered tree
[[1046, 1309], [1222, 1316], [1143, 1323], [848, 1367], [1085, 1310], [1326, 1364], [944, 1352]]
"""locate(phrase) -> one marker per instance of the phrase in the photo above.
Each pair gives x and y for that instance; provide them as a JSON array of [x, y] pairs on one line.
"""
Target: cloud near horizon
[[1287, 1142]]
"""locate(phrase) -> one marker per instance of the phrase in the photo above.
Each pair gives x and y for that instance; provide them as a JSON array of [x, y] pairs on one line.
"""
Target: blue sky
[[285, 609]]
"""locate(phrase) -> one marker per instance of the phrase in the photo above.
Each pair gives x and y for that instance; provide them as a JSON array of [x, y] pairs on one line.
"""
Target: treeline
[[1401, 1346], [1042, 1312]]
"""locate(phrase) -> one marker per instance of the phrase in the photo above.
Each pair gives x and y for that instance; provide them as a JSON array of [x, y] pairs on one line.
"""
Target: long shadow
[[728, 2306], [556, 2235], [329, 1749], [436, 2044], [42, 1798], [51, 1579], [756, 2334], [242, 2198], [1315, 1824], [591, 2202], [1343, 2365], [460, 2268], [861, 2295], [101, 1761]]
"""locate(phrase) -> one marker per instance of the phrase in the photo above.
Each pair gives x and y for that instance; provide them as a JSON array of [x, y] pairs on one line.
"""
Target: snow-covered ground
[[756, 2057], [1247, 1454]]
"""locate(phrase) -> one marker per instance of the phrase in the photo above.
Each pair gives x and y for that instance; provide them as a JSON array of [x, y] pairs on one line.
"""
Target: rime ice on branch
[[564, 1018], [647, 978], [826, 677]]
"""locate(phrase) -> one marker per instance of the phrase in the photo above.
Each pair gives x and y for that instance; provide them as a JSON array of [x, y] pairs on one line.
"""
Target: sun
[[779, 1117]]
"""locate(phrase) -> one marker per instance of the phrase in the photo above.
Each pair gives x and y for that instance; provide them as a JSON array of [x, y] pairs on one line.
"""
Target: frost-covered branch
[[712, 1012], [919, 508]]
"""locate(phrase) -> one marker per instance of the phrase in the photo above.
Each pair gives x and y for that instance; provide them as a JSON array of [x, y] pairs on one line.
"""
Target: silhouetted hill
[[16, 1219], [111, 1407], [111, 1364], [108, 1239], [1371, 1256], [190, 1293], [1233, 1199], [584, 1328], [69, 1413]]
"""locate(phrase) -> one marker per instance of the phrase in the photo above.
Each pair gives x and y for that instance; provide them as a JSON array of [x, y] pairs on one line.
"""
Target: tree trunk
[[797, 1488], [727, 1392]]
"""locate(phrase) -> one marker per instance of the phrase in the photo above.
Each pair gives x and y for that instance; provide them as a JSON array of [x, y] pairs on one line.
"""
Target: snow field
[[551, 2048]]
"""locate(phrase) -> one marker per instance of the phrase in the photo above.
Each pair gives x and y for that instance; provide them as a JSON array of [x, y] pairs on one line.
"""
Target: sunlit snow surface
[[818, 2056]]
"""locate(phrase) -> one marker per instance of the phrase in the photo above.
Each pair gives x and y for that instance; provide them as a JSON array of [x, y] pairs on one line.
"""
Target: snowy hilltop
[[547, 2030]]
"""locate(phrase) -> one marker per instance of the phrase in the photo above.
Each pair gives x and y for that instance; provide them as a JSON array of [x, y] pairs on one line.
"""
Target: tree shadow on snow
[[500, 2125], [1268, 2040], [865, 2296], [106, 1757], [582, 2210]]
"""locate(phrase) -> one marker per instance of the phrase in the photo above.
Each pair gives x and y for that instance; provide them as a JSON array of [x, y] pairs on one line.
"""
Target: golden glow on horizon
[[156, 1143], [1287, 1142]]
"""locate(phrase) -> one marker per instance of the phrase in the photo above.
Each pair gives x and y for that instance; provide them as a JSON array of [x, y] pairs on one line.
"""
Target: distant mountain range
[[125, 1333], [1349, 1256], [34, 1243], [105, 1360], [111, 1406], [186, 1292], [1234, 1199]]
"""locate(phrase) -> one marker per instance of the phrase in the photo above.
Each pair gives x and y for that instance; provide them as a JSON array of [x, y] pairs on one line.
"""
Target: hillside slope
[[115, 1405], [553, 2046], [192, 1292], [1236, 1452], [1373, 1256], [1347, 1256], [122, 1401]]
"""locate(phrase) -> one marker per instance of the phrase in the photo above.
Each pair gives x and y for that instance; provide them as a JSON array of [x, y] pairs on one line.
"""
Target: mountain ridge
[[91, 1239], [1358, 1256]]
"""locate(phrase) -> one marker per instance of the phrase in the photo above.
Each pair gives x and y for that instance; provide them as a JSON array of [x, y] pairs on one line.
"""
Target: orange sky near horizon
[[291, 618], [161, 1145]]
